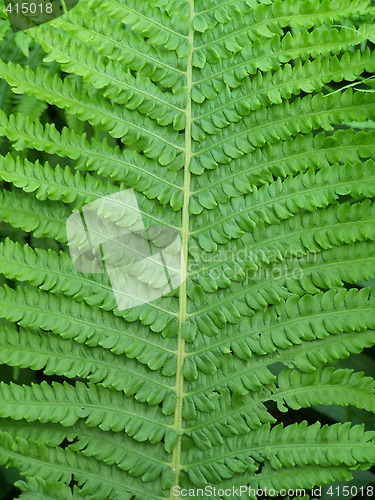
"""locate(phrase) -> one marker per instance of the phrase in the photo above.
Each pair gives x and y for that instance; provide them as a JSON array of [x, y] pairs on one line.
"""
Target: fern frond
[[341, 224], [114, 448], [268, 54], [153, 23], [38, 489], [57, 465], [75, 360], [281, 121], [126, 166], [344, 386], [351, 311], [276, 340], [291, 478], [53, 183], [280, 160], [245, 127], [281, 200], [135, 93], [45, 219], [264, 19], [66, 94], [54, 272], [29, 106], [295, 445], [330, 269], [131, 49], [64, 317], [272, 88], [66, 404]]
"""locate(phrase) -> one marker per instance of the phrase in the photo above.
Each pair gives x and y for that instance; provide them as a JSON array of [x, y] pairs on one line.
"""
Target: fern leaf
[[246, 128], [91, 403], [131, 49], [31, 308], [43, 219], [79, 361], [98, 156], [38, 489], [344, 386], [134, 93], [57, 464], [117, 122]]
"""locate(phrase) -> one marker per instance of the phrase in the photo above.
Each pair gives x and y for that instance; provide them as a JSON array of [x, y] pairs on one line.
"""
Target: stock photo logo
[[24, 15], [110, 235]]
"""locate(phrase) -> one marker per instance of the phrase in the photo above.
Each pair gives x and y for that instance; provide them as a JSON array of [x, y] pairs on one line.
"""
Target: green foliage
[[246, 125]]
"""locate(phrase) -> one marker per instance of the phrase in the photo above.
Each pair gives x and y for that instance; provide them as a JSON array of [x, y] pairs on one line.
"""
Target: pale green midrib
[[182, 316]]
